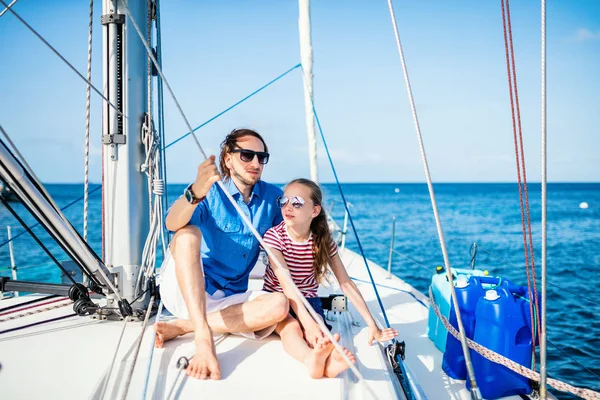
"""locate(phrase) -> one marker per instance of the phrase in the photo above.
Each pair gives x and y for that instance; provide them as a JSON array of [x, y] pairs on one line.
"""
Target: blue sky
[[216, 52]]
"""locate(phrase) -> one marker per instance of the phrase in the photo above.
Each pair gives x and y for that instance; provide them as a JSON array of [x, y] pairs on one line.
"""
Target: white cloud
[[584, 34]]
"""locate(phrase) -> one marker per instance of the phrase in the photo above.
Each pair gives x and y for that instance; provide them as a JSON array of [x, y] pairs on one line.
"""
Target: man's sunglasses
[[297, 201], [248, 155]]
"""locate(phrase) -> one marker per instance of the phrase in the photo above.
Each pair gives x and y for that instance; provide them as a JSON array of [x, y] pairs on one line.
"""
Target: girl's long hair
[[320, 230]]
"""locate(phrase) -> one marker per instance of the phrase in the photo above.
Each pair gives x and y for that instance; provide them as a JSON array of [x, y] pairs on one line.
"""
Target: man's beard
[[243, 179]]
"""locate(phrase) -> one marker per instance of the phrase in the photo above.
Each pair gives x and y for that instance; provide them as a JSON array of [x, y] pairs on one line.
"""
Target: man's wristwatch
[[190, 197]]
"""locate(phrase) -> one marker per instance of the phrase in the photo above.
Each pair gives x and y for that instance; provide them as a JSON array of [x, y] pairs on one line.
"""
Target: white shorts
[[173, 301]]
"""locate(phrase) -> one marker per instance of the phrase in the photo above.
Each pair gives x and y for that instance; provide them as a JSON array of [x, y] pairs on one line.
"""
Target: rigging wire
[[61, 57], [463, 340]]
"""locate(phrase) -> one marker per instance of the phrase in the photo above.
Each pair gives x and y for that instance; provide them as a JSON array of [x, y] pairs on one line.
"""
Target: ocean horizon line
[[382, 183]]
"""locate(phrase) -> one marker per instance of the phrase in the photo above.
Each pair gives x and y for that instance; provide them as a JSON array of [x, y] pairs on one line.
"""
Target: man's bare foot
[[204, 364], [315, 361], [166, 331], [335, 363]]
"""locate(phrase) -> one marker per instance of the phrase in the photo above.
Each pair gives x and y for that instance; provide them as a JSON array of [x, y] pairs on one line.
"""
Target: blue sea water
[[487, 214]]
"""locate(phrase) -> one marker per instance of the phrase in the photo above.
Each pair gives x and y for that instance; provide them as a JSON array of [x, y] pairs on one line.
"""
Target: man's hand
[[204, 364], [381, 335], [207, 175], [312, 333]]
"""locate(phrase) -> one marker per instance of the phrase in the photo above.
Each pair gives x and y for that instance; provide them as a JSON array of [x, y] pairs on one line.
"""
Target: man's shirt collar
[[234, 191]]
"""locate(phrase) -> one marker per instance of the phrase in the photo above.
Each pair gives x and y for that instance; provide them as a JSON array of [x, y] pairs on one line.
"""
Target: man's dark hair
[[230, 144]]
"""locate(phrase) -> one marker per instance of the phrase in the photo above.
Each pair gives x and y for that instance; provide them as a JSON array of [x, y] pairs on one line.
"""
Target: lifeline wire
[[244, 218]]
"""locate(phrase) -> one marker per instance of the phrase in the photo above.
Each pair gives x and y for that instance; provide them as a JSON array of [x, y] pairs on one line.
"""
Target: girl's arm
[[312, 332], [352, 292]]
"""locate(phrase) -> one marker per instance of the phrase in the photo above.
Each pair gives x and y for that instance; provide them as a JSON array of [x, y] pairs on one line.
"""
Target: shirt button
[[250, 234], [244, 256]]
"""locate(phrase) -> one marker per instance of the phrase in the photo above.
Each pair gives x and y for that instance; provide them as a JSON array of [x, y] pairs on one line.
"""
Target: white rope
[[543, 370], [438, 223], [248, 223]]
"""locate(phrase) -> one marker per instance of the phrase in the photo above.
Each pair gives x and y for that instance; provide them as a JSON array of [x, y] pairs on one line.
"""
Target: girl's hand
[[312, 333], [381, 335]]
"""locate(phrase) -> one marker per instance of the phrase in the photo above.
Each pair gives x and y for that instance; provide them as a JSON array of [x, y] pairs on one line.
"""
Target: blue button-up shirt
[[229, 249]]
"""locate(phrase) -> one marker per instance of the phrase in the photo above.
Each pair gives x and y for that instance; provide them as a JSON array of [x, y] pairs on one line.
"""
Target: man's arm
[[181, 211]]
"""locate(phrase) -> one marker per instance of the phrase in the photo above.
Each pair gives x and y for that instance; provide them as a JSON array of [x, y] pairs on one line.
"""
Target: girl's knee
[[289, 326]]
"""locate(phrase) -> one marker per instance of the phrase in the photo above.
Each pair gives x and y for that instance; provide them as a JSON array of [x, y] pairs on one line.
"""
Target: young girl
[[303, 245]]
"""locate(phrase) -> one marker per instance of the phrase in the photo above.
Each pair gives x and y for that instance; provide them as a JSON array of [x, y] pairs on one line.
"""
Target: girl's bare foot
[[336, 364], [315, 361]]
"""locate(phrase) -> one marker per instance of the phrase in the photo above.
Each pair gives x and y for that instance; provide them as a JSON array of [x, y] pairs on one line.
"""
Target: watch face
[[189, 196]]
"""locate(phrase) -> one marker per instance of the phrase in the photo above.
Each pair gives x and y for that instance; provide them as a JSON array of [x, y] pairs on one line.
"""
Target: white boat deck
[[70, 358]]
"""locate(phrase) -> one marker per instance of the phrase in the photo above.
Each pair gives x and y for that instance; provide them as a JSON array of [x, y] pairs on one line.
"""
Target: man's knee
[[188, 237], [280, 306]]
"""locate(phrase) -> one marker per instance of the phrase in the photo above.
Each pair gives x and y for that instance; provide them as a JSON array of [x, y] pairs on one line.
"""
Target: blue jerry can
[[436, 331], [504, 326], [468, 293]]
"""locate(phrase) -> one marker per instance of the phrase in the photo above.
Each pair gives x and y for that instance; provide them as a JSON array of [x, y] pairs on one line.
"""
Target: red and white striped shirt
[[299, 259]]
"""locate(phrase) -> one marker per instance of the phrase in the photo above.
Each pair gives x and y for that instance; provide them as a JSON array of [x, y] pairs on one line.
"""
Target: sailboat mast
[[306, 58], [125, 219]]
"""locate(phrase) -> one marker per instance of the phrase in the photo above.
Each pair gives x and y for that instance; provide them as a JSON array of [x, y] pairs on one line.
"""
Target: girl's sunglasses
[[297, 201], [248, 155]]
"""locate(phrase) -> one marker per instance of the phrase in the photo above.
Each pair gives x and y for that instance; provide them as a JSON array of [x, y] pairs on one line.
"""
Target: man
[[207, 291]]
